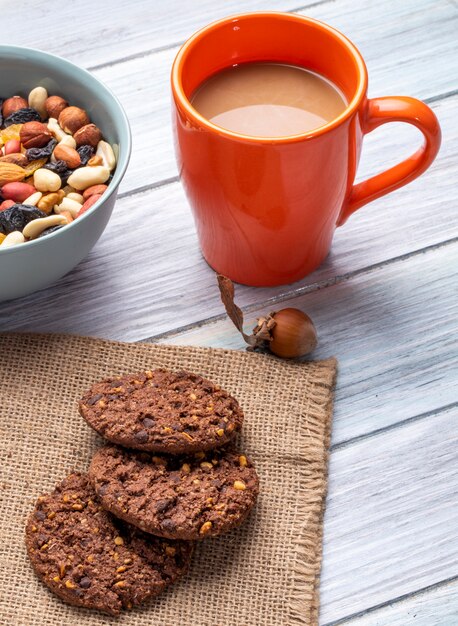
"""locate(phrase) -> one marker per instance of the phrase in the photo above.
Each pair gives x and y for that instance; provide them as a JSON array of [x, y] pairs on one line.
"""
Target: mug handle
[[395, 109]]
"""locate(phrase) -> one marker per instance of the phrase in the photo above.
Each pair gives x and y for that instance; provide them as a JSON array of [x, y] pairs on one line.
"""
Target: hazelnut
[[89, 135], [72, 119], [67, 154], [34, 135], [11, 105], [54, 106]]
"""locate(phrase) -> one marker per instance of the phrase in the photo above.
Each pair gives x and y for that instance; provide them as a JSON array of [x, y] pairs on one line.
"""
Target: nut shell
[[54, 106], [72, 119], [89, 135], [11, 105], [34, 135]]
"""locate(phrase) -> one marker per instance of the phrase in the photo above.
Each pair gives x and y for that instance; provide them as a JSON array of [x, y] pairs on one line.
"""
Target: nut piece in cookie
[[161, 411], [90, 559], [191, 497]]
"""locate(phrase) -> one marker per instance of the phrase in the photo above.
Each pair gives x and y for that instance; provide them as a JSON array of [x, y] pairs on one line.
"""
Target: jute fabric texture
[[265, 573]]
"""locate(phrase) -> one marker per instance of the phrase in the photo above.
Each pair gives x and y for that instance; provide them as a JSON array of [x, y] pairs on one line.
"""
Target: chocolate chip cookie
[[191, 497], [90, 559], [161, 411]]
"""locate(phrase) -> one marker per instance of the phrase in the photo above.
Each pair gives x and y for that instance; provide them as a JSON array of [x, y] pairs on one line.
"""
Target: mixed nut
[[54, 165]]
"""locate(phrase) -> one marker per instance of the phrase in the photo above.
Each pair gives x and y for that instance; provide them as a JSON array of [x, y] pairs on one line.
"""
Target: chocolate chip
[[163, 505], [142, 436], [148, 422], [40, 515], [94, 399], [85, 582], [102, 489]]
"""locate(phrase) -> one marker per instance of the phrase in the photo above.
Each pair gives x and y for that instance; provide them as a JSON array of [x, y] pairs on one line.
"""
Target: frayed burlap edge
[[303, 610]]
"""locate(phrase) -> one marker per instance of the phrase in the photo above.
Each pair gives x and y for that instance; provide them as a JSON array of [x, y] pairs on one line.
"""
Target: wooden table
[[384, 302]]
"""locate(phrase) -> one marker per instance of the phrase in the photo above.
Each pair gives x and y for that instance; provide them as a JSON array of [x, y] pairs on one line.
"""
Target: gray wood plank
[[91, 33], [390, 523], [394, 332], [387, 34], [147, 263], [437, 607]]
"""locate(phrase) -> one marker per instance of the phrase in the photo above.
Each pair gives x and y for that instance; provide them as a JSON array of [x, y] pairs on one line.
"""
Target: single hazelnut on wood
[[54, 106], [72, 119], [89, 135], [288, 333], [34, 135], [11, 105]]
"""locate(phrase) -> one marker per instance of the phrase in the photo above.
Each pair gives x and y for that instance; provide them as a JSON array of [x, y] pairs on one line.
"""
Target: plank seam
[[398, 599], [402, 423], [329, 282], [175, 44], [175, 179]]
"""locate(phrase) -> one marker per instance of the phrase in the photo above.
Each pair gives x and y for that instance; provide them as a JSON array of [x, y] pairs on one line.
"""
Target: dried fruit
[[72, 119], [22, 116], [85, 153], [17, 217], [33, 166], [41, 153], [288, 333], [48, 231], [95, 189], [12, 132], [34, 135], [54, 106]]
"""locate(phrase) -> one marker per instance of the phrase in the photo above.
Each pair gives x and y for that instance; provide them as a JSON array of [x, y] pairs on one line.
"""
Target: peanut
[[45, 180], [70, 205], [85, 177], [37, 99], [105, 151], [37, 226], [13, 239]]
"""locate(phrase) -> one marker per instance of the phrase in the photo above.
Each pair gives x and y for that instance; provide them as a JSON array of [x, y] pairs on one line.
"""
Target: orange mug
[[266, 208]]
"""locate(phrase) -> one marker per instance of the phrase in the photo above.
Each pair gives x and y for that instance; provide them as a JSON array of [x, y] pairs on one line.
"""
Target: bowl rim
[[121, 165]]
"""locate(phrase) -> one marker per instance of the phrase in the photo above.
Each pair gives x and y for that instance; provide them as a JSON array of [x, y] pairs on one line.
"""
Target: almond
[[72, 119], [11, 173], [88, 135], [17, 158], [34, 135], [67, 154]]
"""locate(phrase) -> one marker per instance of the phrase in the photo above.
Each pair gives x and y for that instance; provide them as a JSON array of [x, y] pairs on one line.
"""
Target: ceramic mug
[[266, 208]]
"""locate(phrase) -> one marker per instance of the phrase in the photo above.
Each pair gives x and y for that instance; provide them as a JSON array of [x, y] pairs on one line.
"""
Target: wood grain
[[91, 33], [390, 523], [394, 332], [146, 275], [387, 34], [437, 607]]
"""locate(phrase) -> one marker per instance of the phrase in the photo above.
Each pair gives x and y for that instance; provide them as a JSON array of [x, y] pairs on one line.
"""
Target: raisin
[[21, 116], [17, 217], [59, 167], [41, 153], [2, 100], [50, 230], [85, 152]]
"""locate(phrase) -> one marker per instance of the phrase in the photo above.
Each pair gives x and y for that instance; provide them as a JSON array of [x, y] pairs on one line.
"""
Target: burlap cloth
[[263, 574]]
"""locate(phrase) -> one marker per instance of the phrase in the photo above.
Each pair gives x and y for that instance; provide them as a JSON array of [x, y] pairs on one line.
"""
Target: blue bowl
[[33, 265]]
